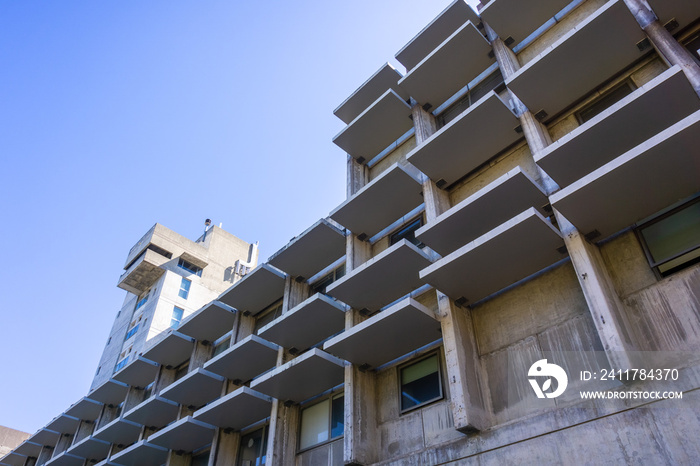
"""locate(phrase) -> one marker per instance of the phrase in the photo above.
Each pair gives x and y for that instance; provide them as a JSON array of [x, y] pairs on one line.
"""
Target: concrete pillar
[[44, 455], [246, 325], [357, 176], [602, 299], [133, 397], [360, 436], [283, 433], [178, 459], [85, 429], [225, 448], [664, 42], [357, 251], [164, 378], [464, 372], [201, 352], [64, 441], [295, 292]]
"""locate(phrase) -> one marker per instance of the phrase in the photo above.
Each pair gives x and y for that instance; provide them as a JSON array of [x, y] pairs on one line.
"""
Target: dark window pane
[[420, 383], [605, 102], [408, 232], [337, 417]]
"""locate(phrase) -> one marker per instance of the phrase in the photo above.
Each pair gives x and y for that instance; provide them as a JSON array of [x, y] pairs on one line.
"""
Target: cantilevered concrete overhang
[[85, 409], [63, 424], [155, 412], [119, 432], [186, 435], [476, 135], [483, 211], [45, 436], [382, 279], [639, 183], [196, 389], [138, 373], [172, 350], [246, 359], [28, 448], [13, 459], [236, 410], [519, 19], [650, 109], [683, 11], [394, 332], [452, 65], [435, 33], [310, 252], [574, 64], [376, 128], [111, 392], [141, 453], [257, 290], [143, 273], [64, 459], [90, 448], [209, 323], [303, 377], [193, 259], [384, 79], [389, 196], [310, 322], [511, 252]]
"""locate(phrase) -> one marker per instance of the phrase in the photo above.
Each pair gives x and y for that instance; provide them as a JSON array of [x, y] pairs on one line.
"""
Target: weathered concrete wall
[[330, 454], [10, 439]]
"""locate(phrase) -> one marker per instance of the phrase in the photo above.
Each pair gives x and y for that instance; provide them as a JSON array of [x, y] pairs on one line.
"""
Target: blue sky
[[118, 115]]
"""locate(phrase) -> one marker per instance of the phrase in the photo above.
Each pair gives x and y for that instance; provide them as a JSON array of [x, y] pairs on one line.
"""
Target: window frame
[[189, 267], [329, 397], [628, 83], [186, 290], [405, 228], [441, 384], [172, 317]]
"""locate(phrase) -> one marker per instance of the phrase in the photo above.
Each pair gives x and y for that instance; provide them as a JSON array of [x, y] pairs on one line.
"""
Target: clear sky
[[118, 115]]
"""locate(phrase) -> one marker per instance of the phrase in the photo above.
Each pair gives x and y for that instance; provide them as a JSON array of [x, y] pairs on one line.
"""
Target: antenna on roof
[[207, 224]]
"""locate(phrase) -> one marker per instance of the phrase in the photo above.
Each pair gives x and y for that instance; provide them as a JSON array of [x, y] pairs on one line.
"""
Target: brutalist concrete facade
[[521, 224]]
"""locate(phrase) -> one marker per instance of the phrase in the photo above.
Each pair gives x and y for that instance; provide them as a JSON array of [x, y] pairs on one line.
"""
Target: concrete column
[[85, 429], [246, 325], [664, 42], [200, 354], [44, 455], [164, 378], [178, 459], [294, 293], [464, 372], [283, 433], [436, 200], [602, 299], [133, 397], [64, 441], [225, 448], [360, 436], [357, 251], [357, 176]]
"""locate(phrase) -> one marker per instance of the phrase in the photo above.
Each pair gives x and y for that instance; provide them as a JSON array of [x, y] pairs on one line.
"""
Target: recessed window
[[408, 232], [253, 448], [477, 92], [322, 422], [605, 101], [672, 240], [200, 458], [181, 370], [189, 267], [176, 317], [222, 345], [268, 315], [120, 365], [142, 300], [132, 331], [184, 288], [320, 285], [420, 383]]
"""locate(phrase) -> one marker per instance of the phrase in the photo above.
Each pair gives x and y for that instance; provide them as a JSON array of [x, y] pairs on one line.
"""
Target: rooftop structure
[[522, 222]]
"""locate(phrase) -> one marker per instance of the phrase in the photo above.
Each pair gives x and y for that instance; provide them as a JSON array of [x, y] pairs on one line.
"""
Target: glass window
[[606, 101], [672, 241], [268, 315], [190, 267], [320, 285], [132, 331], [477, 92], [176, 318], [200, 458], [322, 422], [253, 448], [143, 300], [184, 288], [222, 346], [420, 383], [408, 232]]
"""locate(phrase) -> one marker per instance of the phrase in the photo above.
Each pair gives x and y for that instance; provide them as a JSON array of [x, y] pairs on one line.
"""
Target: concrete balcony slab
[[475, 136], [517, 18], [483, 211], [111, 392], [384, 79], [236, 410], [463, 56], [141, 453], [155, 412], [28, 448], [257, 290], [120, 432], [196, 389], [312, 251], [650, 109], [392, 333], [64, 459], [90, 448], [376, 128], [45, 436], [511, 252], [303, 377], [435, 33], [63, 424], [392, 194], [574, 64], [186, 435], [209, 323], [138, 373], [683, 11], [246, 359], [639, 183], [172, 350], [85, 409], [310, 322], [382, 279]]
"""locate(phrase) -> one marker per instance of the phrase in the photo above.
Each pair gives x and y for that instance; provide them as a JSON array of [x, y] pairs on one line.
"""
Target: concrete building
[[522, 221], [10, 439]]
